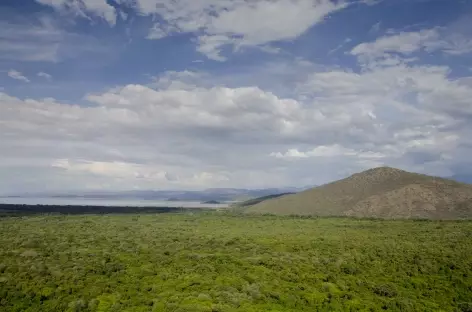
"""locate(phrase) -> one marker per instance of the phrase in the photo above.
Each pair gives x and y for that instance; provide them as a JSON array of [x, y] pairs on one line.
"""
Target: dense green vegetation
[[219, 262]]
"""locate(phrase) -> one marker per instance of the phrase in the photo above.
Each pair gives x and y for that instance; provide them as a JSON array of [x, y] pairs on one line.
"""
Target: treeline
[[14, 209]]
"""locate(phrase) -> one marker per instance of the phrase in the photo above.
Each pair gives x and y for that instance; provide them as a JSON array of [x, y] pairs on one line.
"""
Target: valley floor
[[219, 262]]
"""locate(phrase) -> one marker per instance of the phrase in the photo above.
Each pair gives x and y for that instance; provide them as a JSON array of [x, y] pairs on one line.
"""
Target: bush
[[385, 290], [465, 307]]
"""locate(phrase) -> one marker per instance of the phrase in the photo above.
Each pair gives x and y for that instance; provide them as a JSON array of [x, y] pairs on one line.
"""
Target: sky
[[195, 94]]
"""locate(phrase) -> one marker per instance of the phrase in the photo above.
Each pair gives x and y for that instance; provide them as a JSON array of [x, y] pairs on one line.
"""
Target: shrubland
[[225, 262]]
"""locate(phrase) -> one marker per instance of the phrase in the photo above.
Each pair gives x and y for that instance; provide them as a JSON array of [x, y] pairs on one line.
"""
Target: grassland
[[220, 262]]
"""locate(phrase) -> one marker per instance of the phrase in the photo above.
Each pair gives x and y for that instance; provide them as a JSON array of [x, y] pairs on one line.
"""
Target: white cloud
[[84, 8], [404, 43], [216, 23], [205, 136], [267, 21], [386, 87], [457, 45], [193, 130], [238, 127], [136, 134], [28, 43], [240, 110], [210, 46], [237, 23], [112, 169], [334, 150], [159, 31], [43, 41], [419, 114], [44, 75], [407, 43], [14, 74], [291, 153]]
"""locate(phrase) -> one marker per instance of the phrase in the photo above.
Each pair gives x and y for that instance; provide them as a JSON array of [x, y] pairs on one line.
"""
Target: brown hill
[[378, 193]]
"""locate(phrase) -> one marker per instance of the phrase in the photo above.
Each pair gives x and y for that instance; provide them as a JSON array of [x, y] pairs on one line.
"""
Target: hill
[[378, 193]]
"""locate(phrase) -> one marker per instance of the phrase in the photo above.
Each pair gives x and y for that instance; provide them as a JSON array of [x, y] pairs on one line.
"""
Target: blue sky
[[154, 94]]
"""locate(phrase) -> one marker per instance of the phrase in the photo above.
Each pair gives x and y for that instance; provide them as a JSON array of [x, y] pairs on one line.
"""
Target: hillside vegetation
[[210, 262], [378, 193]]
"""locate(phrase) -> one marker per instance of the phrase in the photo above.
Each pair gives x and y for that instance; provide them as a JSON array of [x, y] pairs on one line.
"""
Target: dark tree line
[[11, 209]]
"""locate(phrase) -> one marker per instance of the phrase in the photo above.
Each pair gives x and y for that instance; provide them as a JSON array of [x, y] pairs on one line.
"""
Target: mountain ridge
[[382, 192]]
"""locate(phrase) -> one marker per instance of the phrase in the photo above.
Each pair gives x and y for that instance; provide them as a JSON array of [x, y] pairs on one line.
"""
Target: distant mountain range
[[212, 194]]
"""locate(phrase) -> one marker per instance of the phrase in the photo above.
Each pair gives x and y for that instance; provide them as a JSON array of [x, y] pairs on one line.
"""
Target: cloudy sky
[[172, 94]]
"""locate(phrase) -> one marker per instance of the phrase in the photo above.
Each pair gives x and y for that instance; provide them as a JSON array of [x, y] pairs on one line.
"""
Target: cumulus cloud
[[418, 113], [278, 123], [138, 136], [184, 132], [14, 74]]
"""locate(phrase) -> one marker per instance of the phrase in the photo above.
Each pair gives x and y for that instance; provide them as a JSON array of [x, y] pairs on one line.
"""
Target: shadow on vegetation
[[19, 210]]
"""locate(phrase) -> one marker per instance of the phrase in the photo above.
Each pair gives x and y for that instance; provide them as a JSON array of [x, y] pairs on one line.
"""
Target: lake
[[106, 202]]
